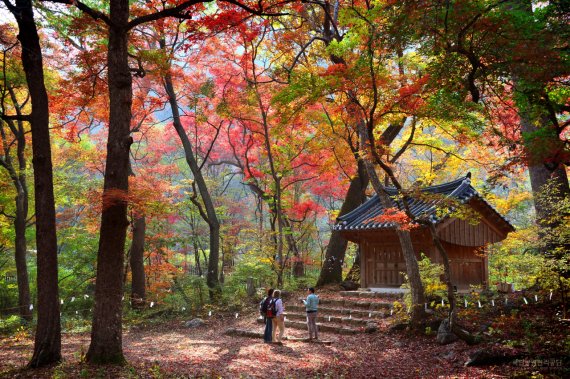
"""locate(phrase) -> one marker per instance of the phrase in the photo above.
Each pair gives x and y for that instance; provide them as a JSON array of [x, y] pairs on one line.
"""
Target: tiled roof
[[460, 189]]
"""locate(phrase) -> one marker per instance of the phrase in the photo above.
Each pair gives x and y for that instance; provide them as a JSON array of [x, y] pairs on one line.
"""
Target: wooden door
[[384, 265]]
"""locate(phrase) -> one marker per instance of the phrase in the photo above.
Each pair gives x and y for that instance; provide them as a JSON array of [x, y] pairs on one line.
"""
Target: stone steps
[[323, 327], [355, 313], [377, 293], [328, 319], [356, 304]]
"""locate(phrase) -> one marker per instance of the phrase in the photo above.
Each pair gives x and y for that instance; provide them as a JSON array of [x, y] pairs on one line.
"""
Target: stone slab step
[[358, 304], [322, 327], [252, 334], [394, 292], [358, 313], [325, 319]]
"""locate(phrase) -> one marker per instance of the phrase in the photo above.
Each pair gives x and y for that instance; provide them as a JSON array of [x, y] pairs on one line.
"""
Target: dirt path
[[171, 350]]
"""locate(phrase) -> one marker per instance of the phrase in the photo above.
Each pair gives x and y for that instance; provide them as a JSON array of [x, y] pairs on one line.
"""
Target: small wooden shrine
[[382, 261]]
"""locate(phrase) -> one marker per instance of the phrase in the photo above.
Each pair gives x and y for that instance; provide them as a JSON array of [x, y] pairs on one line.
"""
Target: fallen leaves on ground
[[171, 350]]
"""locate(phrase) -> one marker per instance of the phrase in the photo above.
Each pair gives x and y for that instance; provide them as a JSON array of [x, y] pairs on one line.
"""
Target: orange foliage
[[396, 217]]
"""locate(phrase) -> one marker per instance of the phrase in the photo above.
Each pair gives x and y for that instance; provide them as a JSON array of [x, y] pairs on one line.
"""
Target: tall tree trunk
[[18, 177], [222, 279], [416, 286], [106, 333], [138, 293], [298, 264], [336, 249], [210, 211], [20, 255], [47, 343]]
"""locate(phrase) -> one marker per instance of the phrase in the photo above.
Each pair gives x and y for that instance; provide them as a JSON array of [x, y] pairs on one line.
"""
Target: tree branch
[[10, 117], [167, 12], [95, 14]]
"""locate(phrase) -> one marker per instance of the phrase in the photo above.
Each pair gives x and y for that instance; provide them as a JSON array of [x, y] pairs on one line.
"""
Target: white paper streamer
[[465, 303], [506, 300], [31, 307], [349, 317], [123, 298], [442, 303], [183, 309], [550, 294], [210, 314], [152, 304], [76, 312], [85, 296], [237, 315], [391, 311], [370, 315], [493, 302], [61, 301], [425, 306], [536, 298], [479, 303], [72, 299], [329, 318], [525, 300]]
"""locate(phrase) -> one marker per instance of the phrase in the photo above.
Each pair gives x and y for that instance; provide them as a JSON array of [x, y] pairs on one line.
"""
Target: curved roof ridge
[[459, 189]]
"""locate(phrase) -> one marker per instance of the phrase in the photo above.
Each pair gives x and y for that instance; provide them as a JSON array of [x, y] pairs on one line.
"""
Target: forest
[[164, 163]]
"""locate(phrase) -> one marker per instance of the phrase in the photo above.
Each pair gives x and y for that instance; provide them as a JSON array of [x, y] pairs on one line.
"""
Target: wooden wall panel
[[461, 232]]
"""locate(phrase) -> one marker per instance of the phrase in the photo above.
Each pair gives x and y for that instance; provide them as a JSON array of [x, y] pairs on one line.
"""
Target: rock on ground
[[194, 323], [444, 334], [371, 327]]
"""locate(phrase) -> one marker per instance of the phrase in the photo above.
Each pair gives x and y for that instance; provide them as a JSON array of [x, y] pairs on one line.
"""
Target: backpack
[[267, 308], [271, 308]]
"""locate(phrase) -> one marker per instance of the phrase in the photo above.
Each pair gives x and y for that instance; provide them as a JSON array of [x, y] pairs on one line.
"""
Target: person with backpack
[[279, 320], [311, 306], [267, 310]]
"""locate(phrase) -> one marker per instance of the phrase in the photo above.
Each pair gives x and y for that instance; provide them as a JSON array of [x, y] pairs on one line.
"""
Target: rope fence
[[513, 300]]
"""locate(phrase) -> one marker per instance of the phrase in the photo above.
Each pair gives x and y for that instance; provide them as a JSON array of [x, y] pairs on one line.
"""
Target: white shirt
[[279, 307]]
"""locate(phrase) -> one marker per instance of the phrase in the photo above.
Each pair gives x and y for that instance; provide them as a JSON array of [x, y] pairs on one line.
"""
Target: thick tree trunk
[[541, 174], [548, 178], [47, 344], [210, 211], [138, 293], [336, 249], [106, 333]]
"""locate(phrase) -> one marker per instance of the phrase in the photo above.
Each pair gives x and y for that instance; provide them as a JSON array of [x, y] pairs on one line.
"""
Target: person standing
[[279, 320], [265, 308], [311, 306]]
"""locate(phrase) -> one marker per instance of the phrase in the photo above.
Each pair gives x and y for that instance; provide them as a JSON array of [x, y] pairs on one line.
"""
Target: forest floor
[[168, 349]]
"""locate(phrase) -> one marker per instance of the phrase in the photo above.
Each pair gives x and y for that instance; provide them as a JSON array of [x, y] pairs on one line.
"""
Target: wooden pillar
[[485, 270], [363, 257]]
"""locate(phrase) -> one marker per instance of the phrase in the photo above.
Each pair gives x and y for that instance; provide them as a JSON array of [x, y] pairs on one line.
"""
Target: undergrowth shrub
[[10, 324], [430, 274]]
